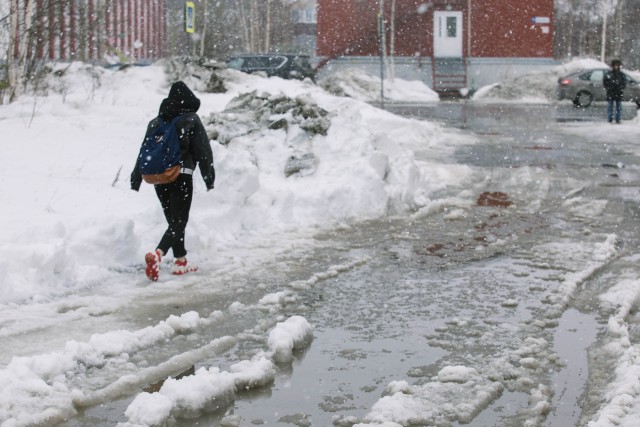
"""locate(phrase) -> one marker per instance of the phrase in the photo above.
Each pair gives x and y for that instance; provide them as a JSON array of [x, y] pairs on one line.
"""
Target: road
[[501, 279]]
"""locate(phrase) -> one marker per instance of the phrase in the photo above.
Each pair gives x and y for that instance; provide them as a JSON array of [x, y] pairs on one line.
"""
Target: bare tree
[[392, 42], [267, 35], [12, 75], [617, 29], [254, 23], [19, 61], [598, 28], [33, 32], [234, 26]]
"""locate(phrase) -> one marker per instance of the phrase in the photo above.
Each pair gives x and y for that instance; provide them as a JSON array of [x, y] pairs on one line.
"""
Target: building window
[[452, 26], [304, 16], [312, 16]]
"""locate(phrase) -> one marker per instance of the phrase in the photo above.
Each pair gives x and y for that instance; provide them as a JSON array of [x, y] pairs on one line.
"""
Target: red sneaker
[[153, 265], [182, 267]]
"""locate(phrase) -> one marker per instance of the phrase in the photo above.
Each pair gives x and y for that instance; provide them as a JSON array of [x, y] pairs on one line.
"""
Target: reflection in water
[[576, 332]]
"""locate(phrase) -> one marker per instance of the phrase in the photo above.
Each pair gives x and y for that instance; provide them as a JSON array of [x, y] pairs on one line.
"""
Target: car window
[[597, 76], [302, 63], [235, 63], [256, 62], [585, 76], [276, 61]]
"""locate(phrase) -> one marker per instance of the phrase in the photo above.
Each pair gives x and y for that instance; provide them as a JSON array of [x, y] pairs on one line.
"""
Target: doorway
[[447, 34]]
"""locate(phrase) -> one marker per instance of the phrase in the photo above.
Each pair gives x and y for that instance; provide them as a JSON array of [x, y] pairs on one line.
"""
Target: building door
[[447, 34]]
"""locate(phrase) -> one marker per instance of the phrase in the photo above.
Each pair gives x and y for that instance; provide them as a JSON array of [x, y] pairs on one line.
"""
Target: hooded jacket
[[614, 82], [194, 143]]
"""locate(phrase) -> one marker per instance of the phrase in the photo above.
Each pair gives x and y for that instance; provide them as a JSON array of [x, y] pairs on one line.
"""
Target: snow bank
[[621, 401], [74, 224], [537, 87], [363, 86]]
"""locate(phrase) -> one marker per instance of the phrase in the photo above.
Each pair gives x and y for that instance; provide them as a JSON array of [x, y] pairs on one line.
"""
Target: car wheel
[[583, 99]]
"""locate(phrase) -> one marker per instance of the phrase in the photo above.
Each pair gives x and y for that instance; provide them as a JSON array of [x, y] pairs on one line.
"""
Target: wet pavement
[[479, 282]]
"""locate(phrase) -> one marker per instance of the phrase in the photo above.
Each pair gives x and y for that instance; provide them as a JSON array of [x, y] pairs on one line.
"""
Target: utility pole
[[392, 48], [604, 35], [383, 49]]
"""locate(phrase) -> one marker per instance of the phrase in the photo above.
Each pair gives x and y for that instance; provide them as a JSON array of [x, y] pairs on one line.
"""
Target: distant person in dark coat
[[614, 82], [175, 197]]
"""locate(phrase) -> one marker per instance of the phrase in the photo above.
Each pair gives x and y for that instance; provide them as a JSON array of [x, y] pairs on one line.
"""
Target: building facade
[[445, 42]]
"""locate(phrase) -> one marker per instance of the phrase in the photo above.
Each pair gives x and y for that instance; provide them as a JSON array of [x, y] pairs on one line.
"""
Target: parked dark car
[[585, 86], [275, 64]]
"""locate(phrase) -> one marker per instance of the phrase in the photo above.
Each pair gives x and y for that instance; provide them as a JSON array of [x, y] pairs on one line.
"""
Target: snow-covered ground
[[72, 227]]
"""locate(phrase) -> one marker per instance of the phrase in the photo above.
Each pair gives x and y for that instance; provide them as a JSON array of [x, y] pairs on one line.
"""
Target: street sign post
[[189, 17]]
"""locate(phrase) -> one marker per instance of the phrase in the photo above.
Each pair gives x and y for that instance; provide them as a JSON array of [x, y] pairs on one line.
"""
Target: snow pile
[[288, 336], [361, 85], [534, 87], [75, 224]]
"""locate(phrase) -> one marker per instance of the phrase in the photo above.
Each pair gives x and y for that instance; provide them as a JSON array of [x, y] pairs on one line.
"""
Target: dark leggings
[[175, 199]]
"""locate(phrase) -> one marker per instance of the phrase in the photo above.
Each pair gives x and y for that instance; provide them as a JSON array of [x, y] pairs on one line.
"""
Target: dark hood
[[180, 101]]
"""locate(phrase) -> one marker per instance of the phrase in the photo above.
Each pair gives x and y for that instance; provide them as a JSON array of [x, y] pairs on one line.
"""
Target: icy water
[[487, 281]]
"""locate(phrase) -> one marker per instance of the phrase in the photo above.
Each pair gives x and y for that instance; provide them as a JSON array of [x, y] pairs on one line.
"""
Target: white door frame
[[447, 34]]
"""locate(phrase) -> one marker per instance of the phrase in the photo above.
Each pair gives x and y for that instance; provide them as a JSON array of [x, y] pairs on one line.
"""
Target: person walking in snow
[[614, 82], [175, 197]]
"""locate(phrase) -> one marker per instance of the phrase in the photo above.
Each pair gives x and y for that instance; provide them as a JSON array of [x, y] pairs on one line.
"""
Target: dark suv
[[274, 64]]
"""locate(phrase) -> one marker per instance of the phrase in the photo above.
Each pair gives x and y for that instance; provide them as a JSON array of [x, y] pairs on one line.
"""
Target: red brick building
[[439, 31]]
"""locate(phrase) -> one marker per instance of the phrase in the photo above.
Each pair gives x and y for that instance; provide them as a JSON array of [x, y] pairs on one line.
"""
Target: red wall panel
[[506, 29], [498, 27], [413, 28], [347, 27]]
